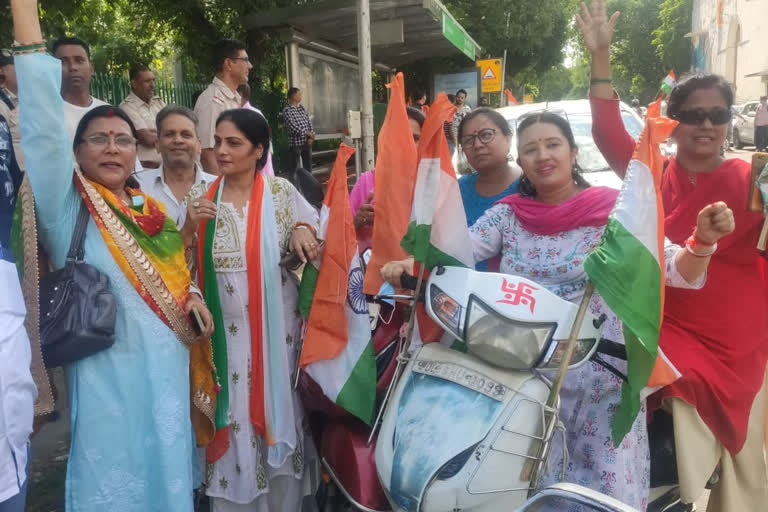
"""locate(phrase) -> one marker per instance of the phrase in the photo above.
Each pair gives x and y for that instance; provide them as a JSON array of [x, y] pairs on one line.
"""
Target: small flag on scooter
[[337, 352]]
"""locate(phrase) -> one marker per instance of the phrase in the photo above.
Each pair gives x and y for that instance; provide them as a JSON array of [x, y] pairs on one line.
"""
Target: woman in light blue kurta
[[133, 446]]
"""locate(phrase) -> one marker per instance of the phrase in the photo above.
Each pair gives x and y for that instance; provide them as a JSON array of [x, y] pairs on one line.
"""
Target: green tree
[[672, 47]]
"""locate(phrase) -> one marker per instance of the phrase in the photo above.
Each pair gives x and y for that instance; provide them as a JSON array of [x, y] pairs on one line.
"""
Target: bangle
[[599, 80], [304, 225], [21, 49], [691, 244]]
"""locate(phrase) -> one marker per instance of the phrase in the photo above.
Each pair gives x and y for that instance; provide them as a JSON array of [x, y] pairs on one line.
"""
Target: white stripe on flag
[[636, 206]]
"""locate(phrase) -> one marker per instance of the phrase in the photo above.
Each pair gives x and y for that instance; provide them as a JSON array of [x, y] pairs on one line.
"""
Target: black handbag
[[77, 310]]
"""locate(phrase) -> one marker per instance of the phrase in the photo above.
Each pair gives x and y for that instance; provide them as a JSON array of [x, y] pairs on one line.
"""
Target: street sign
[[528, 98], [490, 75], [453, 32]]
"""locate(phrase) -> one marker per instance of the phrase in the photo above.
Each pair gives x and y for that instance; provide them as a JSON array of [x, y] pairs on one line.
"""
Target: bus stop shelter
[[333, 46]]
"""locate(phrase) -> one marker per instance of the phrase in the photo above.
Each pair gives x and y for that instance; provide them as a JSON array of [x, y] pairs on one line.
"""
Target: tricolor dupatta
[[270, 403], [156, 267]]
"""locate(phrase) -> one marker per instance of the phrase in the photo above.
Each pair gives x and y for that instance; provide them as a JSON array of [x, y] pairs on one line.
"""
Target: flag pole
[[571, 347], [403, 350]]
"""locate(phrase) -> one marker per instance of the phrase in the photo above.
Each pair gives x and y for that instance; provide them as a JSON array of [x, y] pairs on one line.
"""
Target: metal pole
[[575, 328], [401, 356], [366, 82], [502, 101]]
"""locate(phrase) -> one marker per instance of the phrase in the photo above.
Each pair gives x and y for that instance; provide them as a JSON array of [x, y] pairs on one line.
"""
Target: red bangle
[[306, 226], [692, 245]]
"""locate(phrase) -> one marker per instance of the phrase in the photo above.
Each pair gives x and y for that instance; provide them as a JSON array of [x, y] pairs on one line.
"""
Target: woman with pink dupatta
[[544, 234]]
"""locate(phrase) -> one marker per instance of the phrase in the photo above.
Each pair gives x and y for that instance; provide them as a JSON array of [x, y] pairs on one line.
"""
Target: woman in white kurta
[[544, 234], [246, 472]]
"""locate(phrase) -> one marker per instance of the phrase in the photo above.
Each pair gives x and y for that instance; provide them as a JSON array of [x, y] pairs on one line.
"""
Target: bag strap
[[76, 252]]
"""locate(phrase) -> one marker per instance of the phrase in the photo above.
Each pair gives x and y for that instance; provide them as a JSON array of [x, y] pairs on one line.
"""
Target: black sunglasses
[[717, 115]]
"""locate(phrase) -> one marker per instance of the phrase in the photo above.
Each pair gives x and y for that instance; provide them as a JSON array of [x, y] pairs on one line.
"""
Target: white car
[[579, 114], [744, 125]]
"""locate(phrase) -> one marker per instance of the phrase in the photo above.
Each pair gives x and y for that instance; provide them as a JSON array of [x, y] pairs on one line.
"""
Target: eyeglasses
[[485, 136], [102, 140], [244, 59], [717, 115]]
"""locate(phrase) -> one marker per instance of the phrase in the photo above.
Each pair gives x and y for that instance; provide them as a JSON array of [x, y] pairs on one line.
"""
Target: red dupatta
[[717, 336]]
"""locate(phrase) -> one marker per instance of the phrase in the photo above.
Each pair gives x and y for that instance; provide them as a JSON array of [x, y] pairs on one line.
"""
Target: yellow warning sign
[[490, 75]]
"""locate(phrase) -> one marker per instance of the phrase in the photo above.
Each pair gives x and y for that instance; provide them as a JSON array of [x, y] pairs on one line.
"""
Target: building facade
[[730, 38]]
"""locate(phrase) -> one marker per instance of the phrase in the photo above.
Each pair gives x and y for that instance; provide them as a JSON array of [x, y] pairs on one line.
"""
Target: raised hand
[[714, 222], [596, 28]]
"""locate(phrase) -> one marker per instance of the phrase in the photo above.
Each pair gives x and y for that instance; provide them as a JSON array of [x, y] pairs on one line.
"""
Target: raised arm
[[44, 137], [608, 131]]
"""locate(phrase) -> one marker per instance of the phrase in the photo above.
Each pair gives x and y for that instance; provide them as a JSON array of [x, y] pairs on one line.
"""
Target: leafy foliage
[[672, 47]]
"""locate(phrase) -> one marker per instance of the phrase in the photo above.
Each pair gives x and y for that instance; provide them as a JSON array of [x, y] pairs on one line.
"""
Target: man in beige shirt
[[232, 67], [142, 106]]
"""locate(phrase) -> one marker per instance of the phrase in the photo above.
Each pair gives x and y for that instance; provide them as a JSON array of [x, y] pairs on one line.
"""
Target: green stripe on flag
[[307, 289], [417, 241], [358, 395], [628, 277]]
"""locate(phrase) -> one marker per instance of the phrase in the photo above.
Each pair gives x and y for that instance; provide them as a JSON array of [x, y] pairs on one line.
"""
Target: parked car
[[744, 125], [579, 114]]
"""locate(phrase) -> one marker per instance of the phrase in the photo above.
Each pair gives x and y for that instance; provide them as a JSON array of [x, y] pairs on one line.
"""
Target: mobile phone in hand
[[197, 322]]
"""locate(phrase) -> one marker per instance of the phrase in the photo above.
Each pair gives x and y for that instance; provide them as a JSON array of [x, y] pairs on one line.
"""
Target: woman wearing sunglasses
[[717, 337]]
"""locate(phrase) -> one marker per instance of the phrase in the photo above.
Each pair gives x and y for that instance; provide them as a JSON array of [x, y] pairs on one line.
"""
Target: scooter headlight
[[504, 342], [447, 310], [581, 353]]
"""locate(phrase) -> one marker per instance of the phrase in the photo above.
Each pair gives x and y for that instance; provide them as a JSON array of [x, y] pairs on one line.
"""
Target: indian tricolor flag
[[337, 352], [627, 269], [668, 83], [437, 233]]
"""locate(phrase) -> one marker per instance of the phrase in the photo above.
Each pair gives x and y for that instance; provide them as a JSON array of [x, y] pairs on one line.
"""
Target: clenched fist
[[714, 222]]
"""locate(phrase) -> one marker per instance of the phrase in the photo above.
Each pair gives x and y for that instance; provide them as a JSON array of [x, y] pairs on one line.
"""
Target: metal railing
[[114, 89]]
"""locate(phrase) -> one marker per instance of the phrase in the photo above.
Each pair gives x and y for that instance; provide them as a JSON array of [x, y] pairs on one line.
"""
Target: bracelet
[[304, 225], [599, 81], [691, 244], [22, 49]]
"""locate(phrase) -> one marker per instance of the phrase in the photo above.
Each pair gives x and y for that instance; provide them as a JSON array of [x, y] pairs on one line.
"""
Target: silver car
[[579, 114], [744, 125]]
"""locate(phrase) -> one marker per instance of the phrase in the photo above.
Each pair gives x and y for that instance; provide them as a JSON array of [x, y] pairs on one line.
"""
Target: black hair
[[244, 90], [451, 97], [694, 82], [253, 126], [460, 91], [416, 114], [133, 74], [492, 115], [292, 91], [97, 113], [73, 41], [418, 94], [225, 49], [526, 187], [175, 109], [763, 98]]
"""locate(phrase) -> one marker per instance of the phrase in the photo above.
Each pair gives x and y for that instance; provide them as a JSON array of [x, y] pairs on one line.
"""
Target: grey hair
[[175, 109]]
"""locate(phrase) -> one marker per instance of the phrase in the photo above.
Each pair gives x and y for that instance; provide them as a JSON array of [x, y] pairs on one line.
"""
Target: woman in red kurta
[[717, 337]]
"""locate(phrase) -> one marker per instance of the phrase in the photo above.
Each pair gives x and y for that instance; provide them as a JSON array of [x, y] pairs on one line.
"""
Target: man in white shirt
[[17, 391], [179, 176], [76, 72]]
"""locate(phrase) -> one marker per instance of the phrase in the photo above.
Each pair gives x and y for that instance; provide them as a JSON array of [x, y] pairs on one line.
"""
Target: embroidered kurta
[[242, 474], [590, 394], [132, 445]]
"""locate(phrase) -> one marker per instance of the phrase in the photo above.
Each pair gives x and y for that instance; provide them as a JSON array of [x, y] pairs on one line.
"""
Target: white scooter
[[472, 431]]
